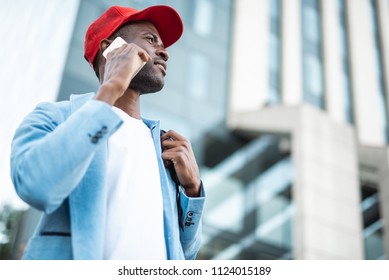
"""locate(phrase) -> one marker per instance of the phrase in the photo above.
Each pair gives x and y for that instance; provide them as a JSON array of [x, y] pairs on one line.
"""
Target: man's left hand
[[177, 150]]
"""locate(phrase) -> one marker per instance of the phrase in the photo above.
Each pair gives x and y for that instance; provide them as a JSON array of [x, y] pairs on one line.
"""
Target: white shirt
[[134, 228]]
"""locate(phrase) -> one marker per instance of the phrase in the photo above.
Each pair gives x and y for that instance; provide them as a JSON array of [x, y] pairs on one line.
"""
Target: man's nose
[[161, 52]]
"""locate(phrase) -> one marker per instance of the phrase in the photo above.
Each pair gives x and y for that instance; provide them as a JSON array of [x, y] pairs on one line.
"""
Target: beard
[[148, 79]]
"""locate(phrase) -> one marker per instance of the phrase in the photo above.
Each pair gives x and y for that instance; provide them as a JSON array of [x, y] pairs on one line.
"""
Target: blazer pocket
[[49, 247]]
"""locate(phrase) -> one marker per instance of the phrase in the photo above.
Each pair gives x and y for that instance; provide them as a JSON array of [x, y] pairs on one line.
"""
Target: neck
[[129, 102]]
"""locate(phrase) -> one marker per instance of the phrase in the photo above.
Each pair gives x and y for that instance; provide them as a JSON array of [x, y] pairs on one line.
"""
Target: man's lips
[[161, 65]]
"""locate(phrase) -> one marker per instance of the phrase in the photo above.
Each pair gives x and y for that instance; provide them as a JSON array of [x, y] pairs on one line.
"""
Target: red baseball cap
[[167, 21]]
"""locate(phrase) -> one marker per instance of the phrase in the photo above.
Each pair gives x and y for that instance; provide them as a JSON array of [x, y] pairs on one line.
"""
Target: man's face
[[144, 34]]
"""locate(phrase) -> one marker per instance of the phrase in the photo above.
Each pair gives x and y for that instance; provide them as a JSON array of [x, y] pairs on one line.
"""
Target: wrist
[[108, 93], [193, 190]]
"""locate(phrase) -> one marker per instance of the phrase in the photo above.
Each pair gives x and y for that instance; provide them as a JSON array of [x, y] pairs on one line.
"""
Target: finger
[[177, 148], [165, 137], [175, 155], [144, 56], [168, 157], [168, 144]]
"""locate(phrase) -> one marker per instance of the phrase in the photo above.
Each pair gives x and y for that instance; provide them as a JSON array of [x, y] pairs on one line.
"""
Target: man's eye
[[150, 39]]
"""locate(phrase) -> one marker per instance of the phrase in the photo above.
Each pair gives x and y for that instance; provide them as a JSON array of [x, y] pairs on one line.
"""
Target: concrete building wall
[[326, 191], [250, 64], [249, 83], [326, 188], [249, 58], [364, 73], [291, 69]]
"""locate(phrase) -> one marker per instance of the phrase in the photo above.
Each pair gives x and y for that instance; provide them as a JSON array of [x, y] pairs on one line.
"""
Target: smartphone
[[117, 43]]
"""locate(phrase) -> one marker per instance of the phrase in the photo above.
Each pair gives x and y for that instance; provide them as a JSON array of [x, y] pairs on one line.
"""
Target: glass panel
[[276, 229], [313, 75], [274, 96], [374, 241], [348, 107], [274, 204], [380, 98], [274, 52], [311, 24], [275, 8], [372, 223], [230, 195], [345, 62], [198, 75], [249, 212], [312, 58], [204, 12], [374, 246]]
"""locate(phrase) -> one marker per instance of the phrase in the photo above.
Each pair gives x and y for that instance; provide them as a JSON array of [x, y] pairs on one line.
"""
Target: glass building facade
[[313, 87], [348, 112], [381, 114], [249, 212], [275, 52], [328, 45], [372, 222]]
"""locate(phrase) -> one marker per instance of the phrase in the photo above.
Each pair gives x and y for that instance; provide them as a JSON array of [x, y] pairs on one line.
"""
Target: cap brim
[[165, 19]]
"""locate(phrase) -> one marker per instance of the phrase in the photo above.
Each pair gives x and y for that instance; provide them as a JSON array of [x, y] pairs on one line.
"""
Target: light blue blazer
[[58, 165]]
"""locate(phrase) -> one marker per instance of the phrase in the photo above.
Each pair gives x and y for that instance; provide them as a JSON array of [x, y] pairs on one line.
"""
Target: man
[[109, 185]]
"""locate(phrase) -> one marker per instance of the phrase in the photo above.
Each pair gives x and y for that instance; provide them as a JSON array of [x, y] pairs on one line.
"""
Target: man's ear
[[100, 60], [104, 44]]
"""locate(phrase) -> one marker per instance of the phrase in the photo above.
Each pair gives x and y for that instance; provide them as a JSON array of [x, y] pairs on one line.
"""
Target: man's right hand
[[120, 66]]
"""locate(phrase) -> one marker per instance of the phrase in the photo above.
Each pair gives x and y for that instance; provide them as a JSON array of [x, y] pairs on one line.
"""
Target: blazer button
[[95, 139], [190, 214]]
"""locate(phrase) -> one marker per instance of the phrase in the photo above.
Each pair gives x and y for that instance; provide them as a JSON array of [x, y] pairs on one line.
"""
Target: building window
[[275, 52], [250, 208], [198, 75], [372, 223], [381, 110], [203, 17], [312, 55], [345, 62], [275, 209], [314, 83]]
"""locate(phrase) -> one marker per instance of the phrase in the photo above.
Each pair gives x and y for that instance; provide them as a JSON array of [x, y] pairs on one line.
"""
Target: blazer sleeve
[[190, 236], [50, 153]]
